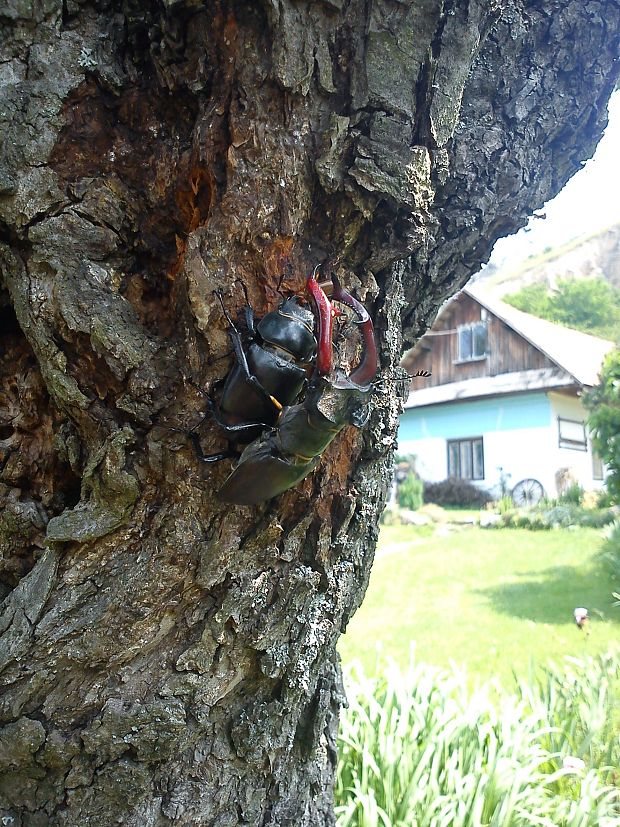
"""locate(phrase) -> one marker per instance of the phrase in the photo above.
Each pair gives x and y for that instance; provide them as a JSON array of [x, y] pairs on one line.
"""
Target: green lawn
[[489, 600]]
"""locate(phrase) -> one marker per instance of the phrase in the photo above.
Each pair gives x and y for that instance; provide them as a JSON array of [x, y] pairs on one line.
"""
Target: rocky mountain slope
[[585, 256]]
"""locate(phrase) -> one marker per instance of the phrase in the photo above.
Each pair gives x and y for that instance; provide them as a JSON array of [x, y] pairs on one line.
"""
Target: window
[[466, 459], [472, 341], [572, 434], [597, 466]]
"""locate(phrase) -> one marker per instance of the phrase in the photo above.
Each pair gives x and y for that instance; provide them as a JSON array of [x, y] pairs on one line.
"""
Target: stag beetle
[[281, 456]]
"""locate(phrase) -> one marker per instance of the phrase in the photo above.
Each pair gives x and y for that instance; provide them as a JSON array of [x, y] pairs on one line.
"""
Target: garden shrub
[[557, 516], [524, 520], [597, 518], [561, 515], [390, 516], [538, 523], [611, 552], [455, 492], [578, 516], [573, 495], [505, 504], [604, 499], [603, 403], [409, 493]]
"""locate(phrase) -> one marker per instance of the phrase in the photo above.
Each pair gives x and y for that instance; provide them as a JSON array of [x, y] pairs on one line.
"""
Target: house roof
[[516, 382], [579, 354]]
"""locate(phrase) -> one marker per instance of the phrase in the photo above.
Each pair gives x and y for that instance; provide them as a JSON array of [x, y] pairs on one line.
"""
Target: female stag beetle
[[270, 374]]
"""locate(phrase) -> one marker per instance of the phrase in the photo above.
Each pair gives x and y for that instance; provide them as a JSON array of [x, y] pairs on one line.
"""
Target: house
[[503, 406]]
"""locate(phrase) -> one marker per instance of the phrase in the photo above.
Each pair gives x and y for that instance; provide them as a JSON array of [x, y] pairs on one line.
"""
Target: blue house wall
[[452, 420]]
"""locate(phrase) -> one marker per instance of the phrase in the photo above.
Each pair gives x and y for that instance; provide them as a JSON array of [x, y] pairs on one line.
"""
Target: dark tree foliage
[[455, 491], [603, 403]]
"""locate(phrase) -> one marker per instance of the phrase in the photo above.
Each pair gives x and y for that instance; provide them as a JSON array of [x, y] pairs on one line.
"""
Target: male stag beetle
[[292, 434]]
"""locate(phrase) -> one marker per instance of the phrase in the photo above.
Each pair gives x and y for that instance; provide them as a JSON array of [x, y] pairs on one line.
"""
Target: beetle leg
[[233, 430], [244, 288], [242, 361], [230, 454], [280, 280], [248, 309], [197, 387], [249, 320], [211, 411]]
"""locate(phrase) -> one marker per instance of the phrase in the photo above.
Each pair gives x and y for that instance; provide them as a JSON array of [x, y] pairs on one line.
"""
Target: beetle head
[[290, 328]]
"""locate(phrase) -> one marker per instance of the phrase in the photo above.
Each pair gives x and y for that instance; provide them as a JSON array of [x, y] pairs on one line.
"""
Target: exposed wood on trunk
[[165, 659]]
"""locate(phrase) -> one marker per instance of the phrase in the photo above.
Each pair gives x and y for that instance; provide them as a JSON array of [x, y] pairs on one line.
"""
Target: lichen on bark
[[166, 659]]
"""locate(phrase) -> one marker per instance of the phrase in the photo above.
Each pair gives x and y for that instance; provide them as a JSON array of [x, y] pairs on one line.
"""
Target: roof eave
[[520, 384]]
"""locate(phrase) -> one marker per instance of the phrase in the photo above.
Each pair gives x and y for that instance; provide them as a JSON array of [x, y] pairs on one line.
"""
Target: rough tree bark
[[166, 659]]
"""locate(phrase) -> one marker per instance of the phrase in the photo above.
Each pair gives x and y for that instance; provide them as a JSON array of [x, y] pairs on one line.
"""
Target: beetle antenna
[[280, 282], [218, 293], [197, 387], [213, 359], [244, 288]]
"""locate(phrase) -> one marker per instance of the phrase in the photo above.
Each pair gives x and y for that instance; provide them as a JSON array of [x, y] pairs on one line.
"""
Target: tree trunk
[[166, 659]]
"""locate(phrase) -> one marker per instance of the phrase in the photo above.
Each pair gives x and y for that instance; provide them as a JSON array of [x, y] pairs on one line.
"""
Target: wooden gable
[[438, 351]]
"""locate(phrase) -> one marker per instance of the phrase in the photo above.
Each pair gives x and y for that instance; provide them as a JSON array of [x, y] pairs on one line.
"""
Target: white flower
[[581, 615], [573, 764]]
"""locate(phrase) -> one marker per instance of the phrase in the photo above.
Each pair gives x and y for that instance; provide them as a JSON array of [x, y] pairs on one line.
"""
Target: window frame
[[468, 443], [567, 442], [597, 463], [470, 328]]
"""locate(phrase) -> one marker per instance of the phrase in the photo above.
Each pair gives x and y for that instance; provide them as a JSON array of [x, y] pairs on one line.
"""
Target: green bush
[[557, 516], [421, 750], [505, 504], [562, 516], [390, 516], [604, 499], [455, 492], [573, 495], [610, 552], [598, 518], [603, 403], [409, 493], [405, 459]]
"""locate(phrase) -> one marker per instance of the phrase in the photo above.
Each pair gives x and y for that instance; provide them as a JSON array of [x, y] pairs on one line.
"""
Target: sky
[[589, 201]]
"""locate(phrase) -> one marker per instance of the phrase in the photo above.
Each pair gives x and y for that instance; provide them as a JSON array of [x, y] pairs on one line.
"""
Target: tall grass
[[420, 750]]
